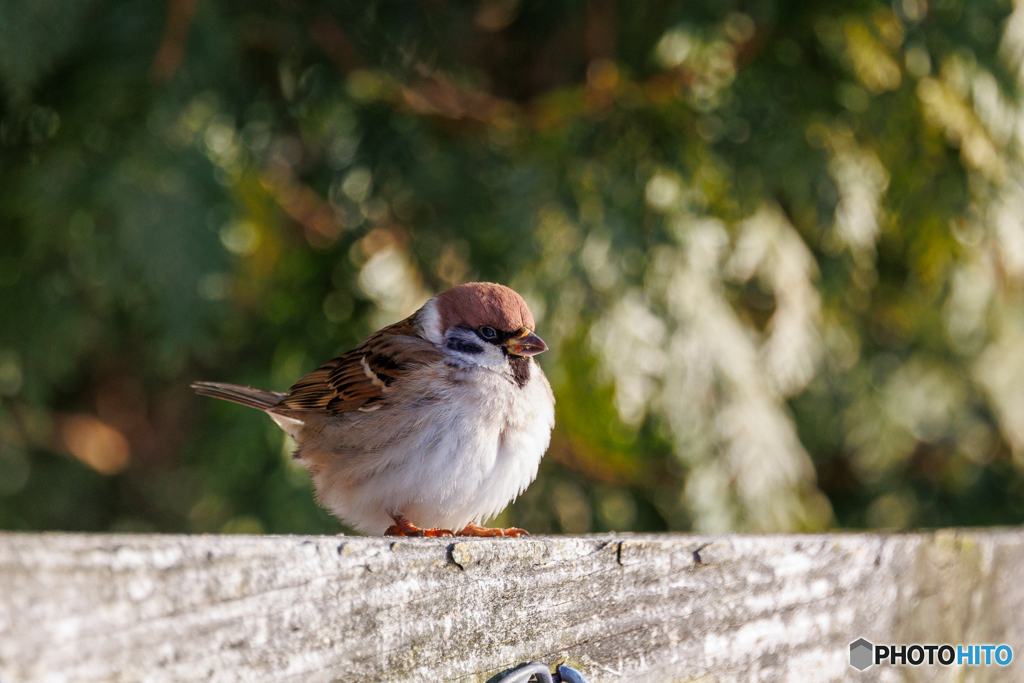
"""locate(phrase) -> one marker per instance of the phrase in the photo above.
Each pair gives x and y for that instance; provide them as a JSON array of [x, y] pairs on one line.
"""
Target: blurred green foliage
[[776, 247]]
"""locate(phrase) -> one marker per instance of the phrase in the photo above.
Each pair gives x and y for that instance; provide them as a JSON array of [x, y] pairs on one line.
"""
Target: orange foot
[[477, 530], [403, 527]]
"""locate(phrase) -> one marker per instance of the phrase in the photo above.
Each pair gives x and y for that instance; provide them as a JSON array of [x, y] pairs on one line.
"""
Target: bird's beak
[[525, 343]]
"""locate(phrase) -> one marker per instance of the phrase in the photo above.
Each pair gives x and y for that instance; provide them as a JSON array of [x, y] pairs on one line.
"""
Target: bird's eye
[[488, 333]]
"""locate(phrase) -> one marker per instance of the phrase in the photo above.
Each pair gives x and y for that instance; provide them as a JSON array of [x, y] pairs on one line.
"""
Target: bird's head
[[482, 323]]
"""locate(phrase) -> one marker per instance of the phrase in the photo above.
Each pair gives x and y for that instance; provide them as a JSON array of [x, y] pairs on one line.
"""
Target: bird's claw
[[482, 531], [403, 527]]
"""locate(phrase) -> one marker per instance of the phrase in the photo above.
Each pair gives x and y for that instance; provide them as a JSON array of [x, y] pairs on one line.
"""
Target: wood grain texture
[[156, 608]]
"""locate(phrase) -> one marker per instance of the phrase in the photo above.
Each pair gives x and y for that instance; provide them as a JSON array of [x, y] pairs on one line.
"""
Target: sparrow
[[429, 426]]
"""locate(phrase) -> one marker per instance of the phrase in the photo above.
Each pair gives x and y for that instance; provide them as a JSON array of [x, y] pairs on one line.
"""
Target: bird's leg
[[477, 530], [403, 527]]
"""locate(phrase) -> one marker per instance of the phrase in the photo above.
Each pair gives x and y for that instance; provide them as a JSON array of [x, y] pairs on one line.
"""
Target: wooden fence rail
[[637, 608]]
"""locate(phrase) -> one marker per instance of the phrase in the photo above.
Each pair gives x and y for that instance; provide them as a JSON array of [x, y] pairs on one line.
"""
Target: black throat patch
[[520, 369]]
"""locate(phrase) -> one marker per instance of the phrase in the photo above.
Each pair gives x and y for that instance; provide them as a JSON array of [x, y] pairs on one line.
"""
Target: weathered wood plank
[[620, 608]]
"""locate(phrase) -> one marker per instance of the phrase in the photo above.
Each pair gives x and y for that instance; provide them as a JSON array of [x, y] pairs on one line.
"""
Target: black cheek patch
[[464, 347]]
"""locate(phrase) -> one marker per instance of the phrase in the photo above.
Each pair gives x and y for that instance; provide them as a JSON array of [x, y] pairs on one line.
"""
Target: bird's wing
[[361, 378]]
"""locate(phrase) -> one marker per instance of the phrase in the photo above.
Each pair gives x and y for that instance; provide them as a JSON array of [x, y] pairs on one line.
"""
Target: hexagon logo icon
[[861, 654]]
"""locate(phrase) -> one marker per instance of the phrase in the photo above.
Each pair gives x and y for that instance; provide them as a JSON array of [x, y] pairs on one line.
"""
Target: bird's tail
[[247, 396]]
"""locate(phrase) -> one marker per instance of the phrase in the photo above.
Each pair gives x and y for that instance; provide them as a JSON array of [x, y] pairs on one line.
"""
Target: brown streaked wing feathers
[[361, 377]]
